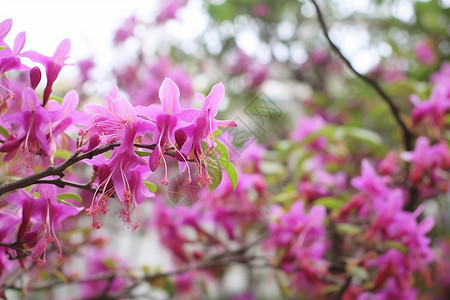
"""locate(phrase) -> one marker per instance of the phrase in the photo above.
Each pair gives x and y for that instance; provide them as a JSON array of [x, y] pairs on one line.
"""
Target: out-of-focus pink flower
[[307, 126], [85, 65], [126, 30], [261, 10], [369, 182], [299, 238], [435, 108], [389, 164], [169, 10], [241, 64], [98, 261], [389, 71], [424, 52], [318, 56], [427, 158]]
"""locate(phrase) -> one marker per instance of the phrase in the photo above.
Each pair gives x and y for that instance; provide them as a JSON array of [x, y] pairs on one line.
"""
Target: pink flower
[[126, 30], [369, 182], [305, 127], [299, 238], [41, 218], [53, 64], [202, 128], [427, 158], [98, 261], [169, 9], [434, 109], [424, 53], [117, 121]]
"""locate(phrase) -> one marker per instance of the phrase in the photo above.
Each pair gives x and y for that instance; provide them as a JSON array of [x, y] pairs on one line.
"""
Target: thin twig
[[407, 135]]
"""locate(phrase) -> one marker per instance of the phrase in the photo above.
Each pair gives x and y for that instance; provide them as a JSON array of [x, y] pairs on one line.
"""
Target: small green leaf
[[214, 167], [151, 186], [347, 228], [222, 150], [359, 272], [142, 153], [61, 276], [231, 171], [2, 47], [397, 246], [62, 153], [64, 196], [109, 263], [217, 132], [360, 134], [4, 132], [330, 202]]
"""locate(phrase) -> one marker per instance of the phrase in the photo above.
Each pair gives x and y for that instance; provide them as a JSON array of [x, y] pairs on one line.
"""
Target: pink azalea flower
[[426, 157], [166, 118], [369, 182], [424, 53], [53, 64], [98, 261], [434, 109], [41, 219], [31, 136], [117, 121], [299, 237], [202, 128], [307, 126]]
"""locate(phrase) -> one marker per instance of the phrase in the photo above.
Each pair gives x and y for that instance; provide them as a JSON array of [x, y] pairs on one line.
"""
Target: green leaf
[[214, 167], [231, 171], [142, 153], [61, 276], [400, 247], [217, 132], [330, 203], [2, 47], [62, 197], [109, 263], [151, 186], [62, 153], [347, 228], [222, 150], [360, 134], [4, 132], [359, 272]]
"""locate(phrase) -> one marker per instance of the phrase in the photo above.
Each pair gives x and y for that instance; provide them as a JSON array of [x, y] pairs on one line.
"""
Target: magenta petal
[[5, 27], [155, 159], [30, 100], [19, 42], [169, 95], [214, 97], [35, 77], [62, 52]]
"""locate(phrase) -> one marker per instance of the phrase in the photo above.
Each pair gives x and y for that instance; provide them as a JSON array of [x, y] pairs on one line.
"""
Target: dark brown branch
[[61, 183], [52, 170], [59, 169], [407, 135]]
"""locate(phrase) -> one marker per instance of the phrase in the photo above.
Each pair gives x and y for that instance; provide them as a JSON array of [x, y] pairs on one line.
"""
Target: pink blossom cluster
[[434, 110], [299, 239], [39, 127], [408, 248]]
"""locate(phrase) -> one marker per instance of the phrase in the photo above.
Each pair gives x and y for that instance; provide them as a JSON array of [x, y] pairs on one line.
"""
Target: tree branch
[[59, 169], [407, 135]]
